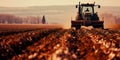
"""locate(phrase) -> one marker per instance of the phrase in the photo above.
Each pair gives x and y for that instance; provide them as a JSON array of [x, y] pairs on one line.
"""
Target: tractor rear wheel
[[98, 26], [77, 27]]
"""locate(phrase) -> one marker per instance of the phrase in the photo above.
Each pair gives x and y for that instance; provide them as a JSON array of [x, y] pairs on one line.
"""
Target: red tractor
[[87, 17]]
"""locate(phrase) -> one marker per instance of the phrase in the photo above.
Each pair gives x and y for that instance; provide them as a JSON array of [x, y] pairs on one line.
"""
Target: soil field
[[61, 44], [9, 27], [6, 29]]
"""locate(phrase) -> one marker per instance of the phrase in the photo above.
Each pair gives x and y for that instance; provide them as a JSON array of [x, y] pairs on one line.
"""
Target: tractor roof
[[87, 4]]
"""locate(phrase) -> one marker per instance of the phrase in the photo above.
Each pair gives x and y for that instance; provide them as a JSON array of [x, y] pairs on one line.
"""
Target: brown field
[[59, 44], [4, 27]]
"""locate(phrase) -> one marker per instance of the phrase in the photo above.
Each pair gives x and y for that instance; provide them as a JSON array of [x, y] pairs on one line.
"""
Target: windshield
[[87, 9]]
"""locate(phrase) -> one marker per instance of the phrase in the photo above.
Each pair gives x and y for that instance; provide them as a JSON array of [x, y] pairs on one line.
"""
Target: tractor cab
[[86, 12]]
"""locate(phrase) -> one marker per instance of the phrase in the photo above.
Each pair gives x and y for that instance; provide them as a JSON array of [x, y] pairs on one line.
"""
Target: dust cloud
[[111, 21]]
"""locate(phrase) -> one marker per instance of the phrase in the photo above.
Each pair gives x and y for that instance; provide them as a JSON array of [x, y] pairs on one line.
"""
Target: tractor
[[86, 16]]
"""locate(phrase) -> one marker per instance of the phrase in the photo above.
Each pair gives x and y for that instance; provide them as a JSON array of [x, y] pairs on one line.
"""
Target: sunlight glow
[[24, 3]]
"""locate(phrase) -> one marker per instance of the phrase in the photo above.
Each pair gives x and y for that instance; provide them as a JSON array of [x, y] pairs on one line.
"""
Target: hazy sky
[[24, 3]]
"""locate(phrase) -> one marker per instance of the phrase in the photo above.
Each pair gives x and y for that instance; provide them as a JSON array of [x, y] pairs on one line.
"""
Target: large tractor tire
[[77, 27], [98, 26]]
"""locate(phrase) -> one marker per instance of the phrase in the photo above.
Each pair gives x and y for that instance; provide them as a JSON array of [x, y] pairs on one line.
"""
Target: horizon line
[[50, 5]]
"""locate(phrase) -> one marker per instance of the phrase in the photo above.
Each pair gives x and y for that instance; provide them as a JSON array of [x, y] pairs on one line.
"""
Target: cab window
[[87, 9]]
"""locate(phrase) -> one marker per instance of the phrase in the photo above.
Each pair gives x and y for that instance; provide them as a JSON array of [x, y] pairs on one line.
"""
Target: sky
[[25, 3]]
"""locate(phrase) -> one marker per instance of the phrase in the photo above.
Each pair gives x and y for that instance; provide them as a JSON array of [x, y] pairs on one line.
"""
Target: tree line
[[12, 19]]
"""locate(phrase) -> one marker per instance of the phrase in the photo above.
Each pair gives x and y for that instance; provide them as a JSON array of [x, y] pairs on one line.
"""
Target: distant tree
[[43, 20]]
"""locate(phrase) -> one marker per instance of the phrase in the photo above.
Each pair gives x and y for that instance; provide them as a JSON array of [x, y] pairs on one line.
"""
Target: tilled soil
[[61, 44], [13, 44]]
